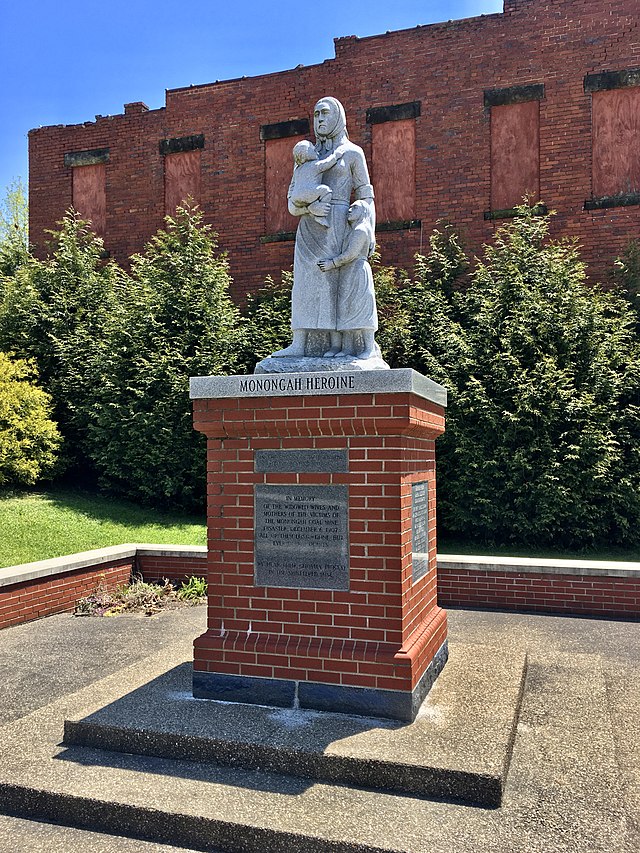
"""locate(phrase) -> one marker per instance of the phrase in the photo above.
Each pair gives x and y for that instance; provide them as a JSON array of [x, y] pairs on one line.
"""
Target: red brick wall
[[155, 569], [577, 595], [585, 595], [33, 599], [445, 66], [383, 631]]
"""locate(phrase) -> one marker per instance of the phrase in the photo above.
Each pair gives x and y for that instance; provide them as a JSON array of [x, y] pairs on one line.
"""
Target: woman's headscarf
[[340, 128]]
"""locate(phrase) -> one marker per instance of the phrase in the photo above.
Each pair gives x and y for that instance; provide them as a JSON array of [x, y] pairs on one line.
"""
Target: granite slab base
[[314, 696], [458, 748], [310, 364]]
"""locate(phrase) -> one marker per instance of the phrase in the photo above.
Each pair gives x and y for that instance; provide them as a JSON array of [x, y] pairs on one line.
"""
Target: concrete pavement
[[573, 783]]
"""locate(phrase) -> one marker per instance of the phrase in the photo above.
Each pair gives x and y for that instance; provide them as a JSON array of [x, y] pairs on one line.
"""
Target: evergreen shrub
[[60, 312], [176, 321], [543, 428]]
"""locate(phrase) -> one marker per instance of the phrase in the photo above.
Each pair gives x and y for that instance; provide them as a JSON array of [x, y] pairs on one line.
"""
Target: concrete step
[[561, 793], [458, 748]]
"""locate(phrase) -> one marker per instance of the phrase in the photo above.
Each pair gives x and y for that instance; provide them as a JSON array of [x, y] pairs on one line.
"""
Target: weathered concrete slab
[[565, 766], [458, 748], [565, 790]]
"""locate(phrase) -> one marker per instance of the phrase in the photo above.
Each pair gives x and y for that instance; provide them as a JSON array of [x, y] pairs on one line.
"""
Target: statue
[[332, 280]]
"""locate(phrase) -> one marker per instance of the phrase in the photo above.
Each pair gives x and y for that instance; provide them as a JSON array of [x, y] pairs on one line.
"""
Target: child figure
[[305, 187], [357, 315]]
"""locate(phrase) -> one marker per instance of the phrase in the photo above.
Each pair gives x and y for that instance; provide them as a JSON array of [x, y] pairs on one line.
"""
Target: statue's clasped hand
[[326, 264], [319, 208]]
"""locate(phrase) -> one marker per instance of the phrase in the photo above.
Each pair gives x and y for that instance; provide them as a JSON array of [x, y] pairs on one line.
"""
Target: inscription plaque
[[420, 529], [303, 461], [302, 537]]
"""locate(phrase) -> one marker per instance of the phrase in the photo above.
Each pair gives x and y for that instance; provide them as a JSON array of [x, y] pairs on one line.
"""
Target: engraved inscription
[[420, 529], [304, 461], [301, 537], [294, 383]]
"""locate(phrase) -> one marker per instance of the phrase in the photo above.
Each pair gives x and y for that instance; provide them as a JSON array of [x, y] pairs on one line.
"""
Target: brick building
[[458, 120]]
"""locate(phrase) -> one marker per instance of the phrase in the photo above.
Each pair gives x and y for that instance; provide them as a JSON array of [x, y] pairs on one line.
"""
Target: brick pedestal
[[339, 468]]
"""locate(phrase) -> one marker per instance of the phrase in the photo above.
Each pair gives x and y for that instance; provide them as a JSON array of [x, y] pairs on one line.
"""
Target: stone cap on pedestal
[[401, 380]]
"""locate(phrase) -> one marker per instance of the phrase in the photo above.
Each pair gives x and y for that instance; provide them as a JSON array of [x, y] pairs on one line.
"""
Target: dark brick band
[[283, 129], [86, 158], [513, 95], [397, 112], [622, 200], [512, 212], [612, 80], [399, 225], [279, 237], [182, 143]]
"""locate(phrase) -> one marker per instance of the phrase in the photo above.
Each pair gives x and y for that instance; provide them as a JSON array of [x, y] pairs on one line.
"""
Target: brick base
[[321, 696], [385, 630]]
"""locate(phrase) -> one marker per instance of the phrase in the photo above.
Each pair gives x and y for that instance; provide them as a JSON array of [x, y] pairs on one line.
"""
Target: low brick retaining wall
[[570, 587], [34, 590]]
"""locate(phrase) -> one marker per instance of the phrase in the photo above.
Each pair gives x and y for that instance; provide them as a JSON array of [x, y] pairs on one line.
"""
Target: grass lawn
[[39, 525]]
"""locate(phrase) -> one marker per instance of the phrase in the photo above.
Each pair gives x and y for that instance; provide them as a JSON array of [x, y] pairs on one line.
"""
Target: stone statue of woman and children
[[333, 304]]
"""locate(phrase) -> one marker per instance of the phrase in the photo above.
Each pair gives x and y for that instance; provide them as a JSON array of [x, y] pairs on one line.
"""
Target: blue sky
[[63, 63]]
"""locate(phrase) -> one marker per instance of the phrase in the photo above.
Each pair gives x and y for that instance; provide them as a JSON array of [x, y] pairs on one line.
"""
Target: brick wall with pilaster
[[587, 594], [384, 631]]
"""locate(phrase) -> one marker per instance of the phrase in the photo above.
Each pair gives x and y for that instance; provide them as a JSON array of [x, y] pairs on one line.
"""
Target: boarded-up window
[[394, 169], [616, 142], [515, 154], [181, 179], [89, 195], [278, 171]]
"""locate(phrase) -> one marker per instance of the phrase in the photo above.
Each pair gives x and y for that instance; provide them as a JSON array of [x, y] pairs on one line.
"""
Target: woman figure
[[314, 299], [356, 312]]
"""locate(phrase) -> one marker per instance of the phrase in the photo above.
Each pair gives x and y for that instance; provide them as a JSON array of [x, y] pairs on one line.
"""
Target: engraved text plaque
[[302, 537], [420, 529]]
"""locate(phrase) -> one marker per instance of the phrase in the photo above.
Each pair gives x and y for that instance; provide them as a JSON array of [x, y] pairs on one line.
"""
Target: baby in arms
[[305, 187]]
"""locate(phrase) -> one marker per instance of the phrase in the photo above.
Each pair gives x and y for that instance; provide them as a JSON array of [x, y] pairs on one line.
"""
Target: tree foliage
[[60, 312], [543, 372], [176, 321], [267, 319], [14, 229], [394, 318], [29, 439], [627, 275], [543, 425]]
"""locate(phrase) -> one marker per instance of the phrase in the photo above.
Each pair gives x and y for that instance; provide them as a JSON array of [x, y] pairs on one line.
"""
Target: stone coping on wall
[[72, 562], [536, 565], [446, 562]]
